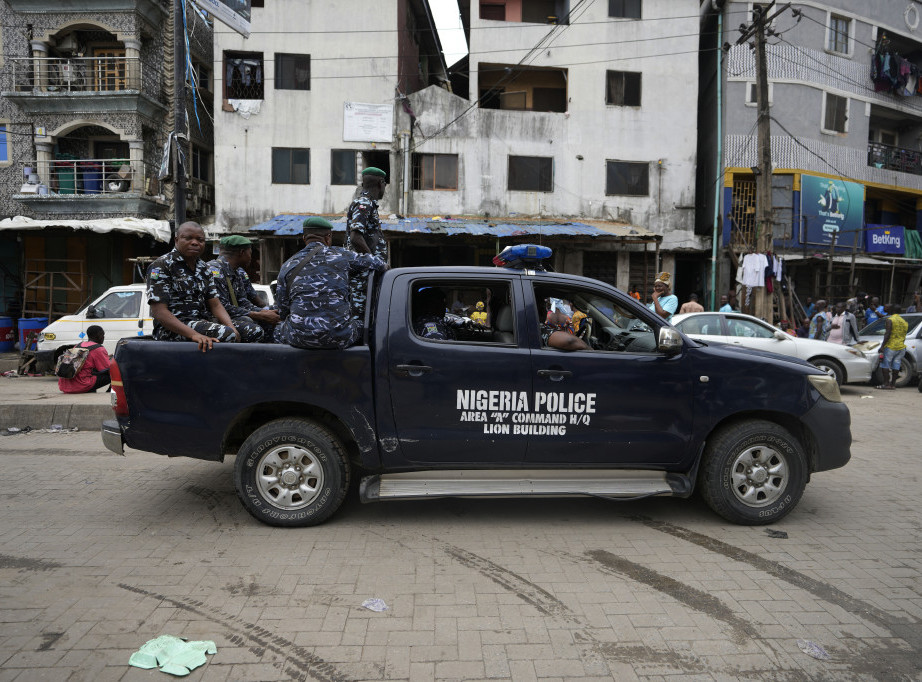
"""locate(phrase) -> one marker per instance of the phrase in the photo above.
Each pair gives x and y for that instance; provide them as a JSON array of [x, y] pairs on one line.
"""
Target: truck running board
[[614, 483]]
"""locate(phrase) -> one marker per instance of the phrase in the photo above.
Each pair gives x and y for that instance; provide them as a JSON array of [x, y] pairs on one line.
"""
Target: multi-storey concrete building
[[86, 105], [846, 121], [563, 111]]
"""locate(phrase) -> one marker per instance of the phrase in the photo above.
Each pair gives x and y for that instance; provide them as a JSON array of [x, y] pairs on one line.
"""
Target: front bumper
[[830, 424], [112, 436]]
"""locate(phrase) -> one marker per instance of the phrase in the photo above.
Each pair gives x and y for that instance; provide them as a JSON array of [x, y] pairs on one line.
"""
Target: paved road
[[100, 553]]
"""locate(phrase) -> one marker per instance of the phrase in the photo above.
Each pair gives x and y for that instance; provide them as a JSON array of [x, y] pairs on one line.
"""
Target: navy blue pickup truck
[[491, 411]]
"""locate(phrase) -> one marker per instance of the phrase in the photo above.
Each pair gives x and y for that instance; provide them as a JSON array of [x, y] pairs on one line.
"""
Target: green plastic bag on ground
[[173, 655]]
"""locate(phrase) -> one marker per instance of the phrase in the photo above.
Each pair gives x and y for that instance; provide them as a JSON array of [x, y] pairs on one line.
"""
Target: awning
[[859, 260], [158, 229], [290, 224]]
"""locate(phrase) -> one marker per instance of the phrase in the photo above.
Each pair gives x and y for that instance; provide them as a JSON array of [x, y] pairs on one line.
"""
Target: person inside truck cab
[[313, 291], [557, 332], [429, 320], [242, 302], [182, 296]]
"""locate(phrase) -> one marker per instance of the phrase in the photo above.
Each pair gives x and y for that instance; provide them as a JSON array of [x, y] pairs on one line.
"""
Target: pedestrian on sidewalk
[[94, 374], [893, 347], [691, 305]]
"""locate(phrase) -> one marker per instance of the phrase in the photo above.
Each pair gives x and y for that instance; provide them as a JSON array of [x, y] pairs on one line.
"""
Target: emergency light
[[523, 256]]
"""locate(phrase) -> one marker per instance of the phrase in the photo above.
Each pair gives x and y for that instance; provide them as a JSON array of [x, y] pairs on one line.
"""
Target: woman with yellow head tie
[[479, 315], [664, 303]]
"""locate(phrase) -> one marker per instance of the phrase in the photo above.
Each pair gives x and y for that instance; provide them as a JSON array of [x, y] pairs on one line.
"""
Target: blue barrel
[[30, 324], [7, 336]]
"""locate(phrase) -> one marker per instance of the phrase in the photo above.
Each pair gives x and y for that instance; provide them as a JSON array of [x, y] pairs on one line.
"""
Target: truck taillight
[[119, 402]]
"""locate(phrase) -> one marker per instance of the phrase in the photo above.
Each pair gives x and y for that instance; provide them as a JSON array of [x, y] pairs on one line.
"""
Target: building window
[[622, 88], [342, 167], [835, 113], [531, 174], [624, 9], [291, 166], [752, 97], [435, 171], [496, 12], [627, 178], [839, 28], [200, 165], [292, 71], [243, 75], [4, 144]]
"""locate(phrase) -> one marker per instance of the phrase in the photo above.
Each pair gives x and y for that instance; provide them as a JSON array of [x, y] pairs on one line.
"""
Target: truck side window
[[602, 322], [465, 310], [119, 304]]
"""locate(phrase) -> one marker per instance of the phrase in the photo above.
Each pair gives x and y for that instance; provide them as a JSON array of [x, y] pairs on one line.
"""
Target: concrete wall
[[358, 67]]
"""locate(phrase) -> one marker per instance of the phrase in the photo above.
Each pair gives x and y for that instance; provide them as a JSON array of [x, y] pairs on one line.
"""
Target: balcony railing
[[79, 74], [64, 178], [894, 158]]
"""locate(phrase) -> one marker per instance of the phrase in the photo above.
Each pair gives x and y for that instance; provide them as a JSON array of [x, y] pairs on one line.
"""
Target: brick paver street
[[99, 553]]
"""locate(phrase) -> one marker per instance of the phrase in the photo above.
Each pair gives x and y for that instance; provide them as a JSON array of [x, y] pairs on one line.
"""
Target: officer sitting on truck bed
[[313, 291], [181, 294]]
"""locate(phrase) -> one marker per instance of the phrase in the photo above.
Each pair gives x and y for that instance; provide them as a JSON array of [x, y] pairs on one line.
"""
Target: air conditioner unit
[[68, 44]]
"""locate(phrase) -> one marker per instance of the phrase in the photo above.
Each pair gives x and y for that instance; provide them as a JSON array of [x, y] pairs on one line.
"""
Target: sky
[[448, 24]]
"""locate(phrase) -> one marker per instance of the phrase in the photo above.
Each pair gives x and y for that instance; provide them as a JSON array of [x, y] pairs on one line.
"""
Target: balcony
[[92, 84], [151, 10], [97, 186], [887, 157]]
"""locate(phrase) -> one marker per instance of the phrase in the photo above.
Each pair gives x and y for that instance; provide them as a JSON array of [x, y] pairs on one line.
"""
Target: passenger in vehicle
[[429, 319], [557, 332], [664, 303], [237, 294], [479, 316]]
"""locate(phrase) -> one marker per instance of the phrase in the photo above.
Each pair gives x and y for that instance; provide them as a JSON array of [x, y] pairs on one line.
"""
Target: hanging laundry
[[751, 272]]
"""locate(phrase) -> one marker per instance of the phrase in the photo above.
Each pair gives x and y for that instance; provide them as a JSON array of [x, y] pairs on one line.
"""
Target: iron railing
[[894, 158], [69, 177], [78, 74]]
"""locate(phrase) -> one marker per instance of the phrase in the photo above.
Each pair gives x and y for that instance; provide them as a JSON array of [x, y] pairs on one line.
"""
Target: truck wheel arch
[[792, 424]]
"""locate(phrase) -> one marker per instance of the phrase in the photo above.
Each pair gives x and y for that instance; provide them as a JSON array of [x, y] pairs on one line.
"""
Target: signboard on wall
[[831, 207], [233, 13], [885, 239], [368, 122]]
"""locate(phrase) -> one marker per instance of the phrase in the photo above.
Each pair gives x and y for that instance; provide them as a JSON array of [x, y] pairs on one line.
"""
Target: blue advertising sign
[[885, 239], [831, 207]]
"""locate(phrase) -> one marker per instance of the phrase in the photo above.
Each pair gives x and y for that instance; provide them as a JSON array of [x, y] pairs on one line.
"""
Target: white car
[[122, 312], [846, 364]]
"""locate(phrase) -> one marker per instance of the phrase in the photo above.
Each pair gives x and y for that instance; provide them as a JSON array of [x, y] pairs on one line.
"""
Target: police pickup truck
[[491, 410]]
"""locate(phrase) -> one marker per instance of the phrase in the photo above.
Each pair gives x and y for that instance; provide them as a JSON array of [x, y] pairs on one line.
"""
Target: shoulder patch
[[155, 273], [215, 272]]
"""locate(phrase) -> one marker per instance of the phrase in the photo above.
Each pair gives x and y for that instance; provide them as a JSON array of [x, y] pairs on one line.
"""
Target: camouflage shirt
[[247, 297], [362, 217], [183, 290], [434, 327], [315, 310]]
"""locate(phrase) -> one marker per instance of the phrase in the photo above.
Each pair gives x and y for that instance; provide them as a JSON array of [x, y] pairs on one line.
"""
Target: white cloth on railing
[[246, 107]]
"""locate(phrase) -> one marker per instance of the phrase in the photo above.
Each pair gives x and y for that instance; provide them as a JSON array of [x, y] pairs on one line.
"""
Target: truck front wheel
[[753, 472], [291, 472]]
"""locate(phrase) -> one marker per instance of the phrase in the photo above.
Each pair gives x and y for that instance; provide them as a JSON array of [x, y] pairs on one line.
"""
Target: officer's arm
[[161, 313], [359, 244]]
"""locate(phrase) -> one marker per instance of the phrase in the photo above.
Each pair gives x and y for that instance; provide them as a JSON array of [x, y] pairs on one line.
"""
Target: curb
[[85, 417]]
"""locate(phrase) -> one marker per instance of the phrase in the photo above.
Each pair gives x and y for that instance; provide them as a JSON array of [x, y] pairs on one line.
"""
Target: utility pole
[[179, 111], [763, 238]]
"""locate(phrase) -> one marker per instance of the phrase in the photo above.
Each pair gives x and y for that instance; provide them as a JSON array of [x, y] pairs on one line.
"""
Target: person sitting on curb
[[94, 374]]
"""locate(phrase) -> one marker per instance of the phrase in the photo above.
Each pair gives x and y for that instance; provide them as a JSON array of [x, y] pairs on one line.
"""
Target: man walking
[[893, 347], [364, 235], [313, 291]]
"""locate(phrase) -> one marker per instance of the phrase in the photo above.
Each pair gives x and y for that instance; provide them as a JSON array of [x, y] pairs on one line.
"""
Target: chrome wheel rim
[[759, 476], [289, 477]]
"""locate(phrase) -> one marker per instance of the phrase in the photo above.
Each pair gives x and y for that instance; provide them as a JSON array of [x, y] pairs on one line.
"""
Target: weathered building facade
[[846, 142]]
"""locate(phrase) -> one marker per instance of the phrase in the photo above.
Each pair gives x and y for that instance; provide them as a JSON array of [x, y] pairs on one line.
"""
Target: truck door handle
[[555, 374], [414, 370]]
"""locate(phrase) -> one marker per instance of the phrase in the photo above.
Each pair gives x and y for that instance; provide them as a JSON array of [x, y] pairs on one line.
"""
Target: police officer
[[242, 302], [429, 319], [313, 291], [181, 294], [363, 233]]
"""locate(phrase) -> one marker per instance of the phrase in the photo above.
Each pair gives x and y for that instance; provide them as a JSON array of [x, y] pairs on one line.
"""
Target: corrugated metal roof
[[290, 224]]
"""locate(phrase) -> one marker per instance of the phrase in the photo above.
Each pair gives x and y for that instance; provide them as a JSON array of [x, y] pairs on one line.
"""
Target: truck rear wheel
[[753, 472], [291, 472]]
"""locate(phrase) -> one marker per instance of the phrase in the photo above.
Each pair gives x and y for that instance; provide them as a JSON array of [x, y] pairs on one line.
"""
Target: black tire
[[831, 367], [773, 488], [308, 456]]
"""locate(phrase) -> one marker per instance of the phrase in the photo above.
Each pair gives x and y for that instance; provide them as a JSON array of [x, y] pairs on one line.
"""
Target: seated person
[[429, 319], [581, 324], [557, 332], [94, 373], [479, 316]]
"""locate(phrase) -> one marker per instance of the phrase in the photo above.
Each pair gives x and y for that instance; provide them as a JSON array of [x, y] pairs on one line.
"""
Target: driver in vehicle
[[557, 332]]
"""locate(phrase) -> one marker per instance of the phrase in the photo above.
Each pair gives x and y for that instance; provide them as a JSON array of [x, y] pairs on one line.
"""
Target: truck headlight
[[827, 387]]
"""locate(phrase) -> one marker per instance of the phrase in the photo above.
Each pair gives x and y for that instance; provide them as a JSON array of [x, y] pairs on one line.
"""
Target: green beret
[[317, 223], [371, 170], [235, 241]]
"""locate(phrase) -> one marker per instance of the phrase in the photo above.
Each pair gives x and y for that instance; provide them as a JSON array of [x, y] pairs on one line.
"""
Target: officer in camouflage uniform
[[364, 235], [237, 294], [429, 320], [313, 291], [183, 300]]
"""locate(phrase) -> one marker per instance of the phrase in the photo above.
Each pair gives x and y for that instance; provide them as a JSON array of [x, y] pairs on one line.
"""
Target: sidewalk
[[36, 402]]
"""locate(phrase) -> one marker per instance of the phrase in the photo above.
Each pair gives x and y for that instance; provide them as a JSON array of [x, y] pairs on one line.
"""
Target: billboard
[[234, 13], [831, 207], [885, 239]]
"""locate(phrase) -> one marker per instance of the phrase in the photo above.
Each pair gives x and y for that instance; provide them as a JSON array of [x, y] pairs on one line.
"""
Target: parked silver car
[[870, 337], [846, 364]]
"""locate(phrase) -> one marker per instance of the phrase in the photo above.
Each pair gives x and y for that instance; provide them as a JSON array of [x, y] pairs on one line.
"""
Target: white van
[[122, 312]]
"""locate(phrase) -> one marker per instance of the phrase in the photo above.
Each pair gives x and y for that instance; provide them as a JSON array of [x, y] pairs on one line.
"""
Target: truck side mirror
[[669, 341], [91, 313]]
